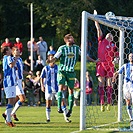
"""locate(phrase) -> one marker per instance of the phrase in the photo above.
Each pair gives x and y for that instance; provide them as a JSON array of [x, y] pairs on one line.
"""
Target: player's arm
[[99, 31], [27, 73], [92, 60], [12, 63], [115, 76], [25, 62], [42, 77], [42, 84]]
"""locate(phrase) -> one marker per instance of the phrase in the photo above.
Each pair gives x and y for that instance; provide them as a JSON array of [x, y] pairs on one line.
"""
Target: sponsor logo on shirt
[[70, 55]]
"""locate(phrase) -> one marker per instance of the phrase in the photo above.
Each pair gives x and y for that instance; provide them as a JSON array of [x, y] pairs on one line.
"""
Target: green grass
[[32, 119]]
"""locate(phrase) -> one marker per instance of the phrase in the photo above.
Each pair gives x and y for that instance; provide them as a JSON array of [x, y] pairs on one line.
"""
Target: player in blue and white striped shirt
[[128, 83], [9, 82], [19, 89], [49, 85]]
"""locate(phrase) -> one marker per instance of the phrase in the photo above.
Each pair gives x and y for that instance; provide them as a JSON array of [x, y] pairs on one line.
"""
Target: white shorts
[[50, 96], [10, 91], [19, 88], [128, 91]]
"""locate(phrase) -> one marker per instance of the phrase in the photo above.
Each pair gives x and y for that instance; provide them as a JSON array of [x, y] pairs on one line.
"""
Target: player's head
[[50, 54], [109, 37], [130, 57], [68, 39], [6, 50], [15, 51]]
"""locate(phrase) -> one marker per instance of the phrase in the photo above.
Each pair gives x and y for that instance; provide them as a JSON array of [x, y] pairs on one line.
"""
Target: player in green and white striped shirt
[[68, 55]]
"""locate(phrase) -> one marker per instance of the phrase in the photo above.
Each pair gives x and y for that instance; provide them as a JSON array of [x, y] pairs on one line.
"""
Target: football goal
[[91, 116]]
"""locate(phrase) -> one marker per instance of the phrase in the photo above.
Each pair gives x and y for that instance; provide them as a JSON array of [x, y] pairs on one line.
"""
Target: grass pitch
[[32, 120]]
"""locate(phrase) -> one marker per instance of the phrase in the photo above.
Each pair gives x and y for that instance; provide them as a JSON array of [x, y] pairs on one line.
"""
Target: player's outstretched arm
[[92, 60], [99, 31]]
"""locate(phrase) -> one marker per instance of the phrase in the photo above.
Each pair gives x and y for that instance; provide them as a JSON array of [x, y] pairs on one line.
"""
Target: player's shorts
[[68, 77], [10, 91], [128, 91], [50, 96], [19, 88], [105, 69]]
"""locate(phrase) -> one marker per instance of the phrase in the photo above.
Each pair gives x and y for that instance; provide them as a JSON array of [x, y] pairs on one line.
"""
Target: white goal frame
[[84, 40]]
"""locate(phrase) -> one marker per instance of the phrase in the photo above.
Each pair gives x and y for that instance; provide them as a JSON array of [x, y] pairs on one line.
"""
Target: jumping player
[[68, 55], [107, 51]]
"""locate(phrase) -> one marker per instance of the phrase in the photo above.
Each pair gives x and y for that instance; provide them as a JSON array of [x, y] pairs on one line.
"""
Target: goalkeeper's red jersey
[[106, 50]]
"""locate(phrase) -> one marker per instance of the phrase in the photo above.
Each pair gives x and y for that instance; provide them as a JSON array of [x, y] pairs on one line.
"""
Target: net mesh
[[107, 119]]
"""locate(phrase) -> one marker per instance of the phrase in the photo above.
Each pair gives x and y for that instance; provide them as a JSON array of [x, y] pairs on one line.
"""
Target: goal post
[[83, 69], [121, 28], [121, 51]]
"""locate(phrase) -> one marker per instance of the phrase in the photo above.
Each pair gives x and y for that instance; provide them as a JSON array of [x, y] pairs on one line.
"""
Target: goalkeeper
[[107, 51], [68, 55]]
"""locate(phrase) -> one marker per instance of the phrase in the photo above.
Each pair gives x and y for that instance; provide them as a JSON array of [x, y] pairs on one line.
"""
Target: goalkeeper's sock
[[59, 99], [71, 102], [109, 94], [129, 111], [101, 93]]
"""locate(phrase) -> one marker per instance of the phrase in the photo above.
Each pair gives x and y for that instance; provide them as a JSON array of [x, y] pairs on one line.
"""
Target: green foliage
[[53, 19]]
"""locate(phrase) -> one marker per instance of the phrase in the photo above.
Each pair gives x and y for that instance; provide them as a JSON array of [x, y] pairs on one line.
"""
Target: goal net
[[91, 116]]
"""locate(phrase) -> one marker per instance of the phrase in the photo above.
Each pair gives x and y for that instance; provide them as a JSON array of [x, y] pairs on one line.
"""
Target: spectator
[[27, 64], [7, 43], [35, 48], [51, 48], [76, 92], [89, 86], [42, 49], [39, 64], [37, 85], [19, 45], [29, 86]]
